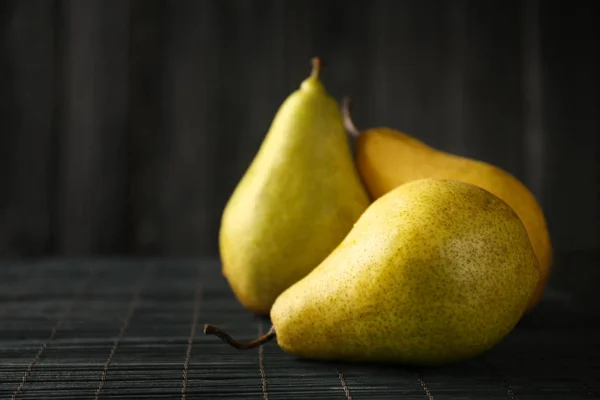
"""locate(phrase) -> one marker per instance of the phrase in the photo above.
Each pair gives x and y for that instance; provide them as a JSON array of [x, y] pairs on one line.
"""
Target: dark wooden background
[[125, 124]]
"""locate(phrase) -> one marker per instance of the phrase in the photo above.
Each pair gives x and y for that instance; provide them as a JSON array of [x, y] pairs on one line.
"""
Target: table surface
[[133, 329]]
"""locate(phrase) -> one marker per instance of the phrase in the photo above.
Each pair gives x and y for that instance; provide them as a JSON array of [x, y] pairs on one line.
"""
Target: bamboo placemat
[[133, 329]]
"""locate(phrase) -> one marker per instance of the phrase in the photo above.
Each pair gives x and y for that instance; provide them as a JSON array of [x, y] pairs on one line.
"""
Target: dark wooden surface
[[133, 329], [125, 124]]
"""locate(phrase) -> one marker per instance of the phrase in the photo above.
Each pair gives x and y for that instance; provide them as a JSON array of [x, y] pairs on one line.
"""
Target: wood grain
[[125, 125]]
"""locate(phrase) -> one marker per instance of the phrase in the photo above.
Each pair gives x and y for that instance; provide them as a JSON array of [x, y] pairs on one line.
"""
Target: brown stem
[[225, 337], [317, 64], [347, 118]]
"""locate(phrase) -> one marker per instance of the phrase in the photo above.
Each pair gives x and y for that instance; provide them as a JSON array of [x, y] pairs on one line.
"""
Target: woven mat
[[133, 329]]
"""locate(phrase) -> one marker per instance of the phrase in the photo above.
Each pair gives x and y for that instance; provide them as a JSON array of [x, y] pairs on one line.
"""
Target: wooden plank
[[493, 111], [535, 143], [26, 128], [93, 207], [145, 119], [411, 71], [570, 118], [190, 97]]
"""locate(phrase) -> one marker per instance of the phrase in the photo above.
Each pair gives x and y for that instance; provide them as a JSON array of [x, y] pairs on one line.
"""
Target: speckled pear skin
[[387, 158], [434, 272], [296, 202]]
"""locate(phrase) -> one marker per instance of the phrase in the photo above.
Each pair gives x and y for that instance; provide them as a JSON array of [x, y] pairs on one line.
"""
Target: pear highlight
[[387, 158], [295, 203], [434, 272]]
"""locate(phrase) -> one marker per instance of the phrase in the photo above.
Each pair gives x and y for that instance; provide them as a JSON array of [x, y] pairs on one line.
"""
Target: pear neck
[[313, 82], [311, 85]]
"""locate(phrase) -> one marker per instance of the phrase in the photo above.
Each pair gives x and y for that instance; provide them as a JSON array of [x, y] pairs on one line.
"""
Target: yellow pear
[[434, 272], [387, 158], [296, 202]]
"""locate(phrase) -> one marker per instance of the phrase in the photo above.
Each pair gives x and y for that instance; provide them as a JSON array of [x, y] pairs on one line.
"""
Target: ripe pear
[[387, 158], [295, 203], [434, 272]]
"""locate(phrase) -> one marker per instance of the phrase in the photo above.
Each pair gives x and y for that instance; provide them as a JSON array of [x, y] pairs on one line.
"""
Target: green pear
[[296, 202], [434, 272]]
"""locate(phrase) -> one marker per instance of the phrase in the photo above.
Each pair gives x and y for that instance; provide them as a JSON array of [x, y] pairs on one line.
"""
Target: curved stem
[[225, 337], [317, 64], [347, 118]]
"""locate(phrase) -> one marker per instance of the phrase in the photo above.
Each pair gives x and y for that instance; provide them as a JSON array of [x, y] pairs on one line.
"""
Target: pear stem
[[225, 337], [317, 64], [347, 118]]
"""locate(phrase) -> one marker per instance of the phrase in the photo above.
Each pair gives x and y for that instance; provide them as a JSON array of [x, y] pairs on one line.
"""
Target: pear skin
[[387, 158], [434, 272], [296, 202]]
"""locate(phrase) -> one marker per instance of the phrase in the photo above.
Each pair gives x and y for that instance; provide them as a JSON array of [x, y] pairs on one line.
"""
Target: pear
[[296, 202], [387, 158], [434, 272]]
